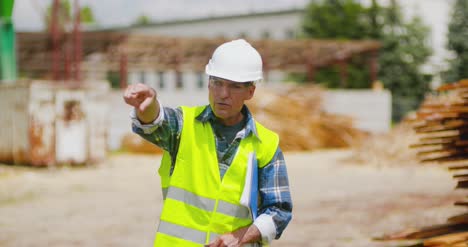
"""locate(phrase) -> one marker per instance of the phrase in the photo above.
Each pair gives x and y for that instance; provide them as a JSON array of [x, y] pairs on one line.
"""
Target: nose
[[224, 91]]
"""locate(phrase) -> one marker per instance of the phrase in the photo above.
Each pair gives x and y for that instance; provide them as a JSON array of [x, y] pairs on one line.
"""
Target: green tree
[[142, 20], [404, 51], [458, 43], [65, 16], [337, 19], [342, 20], [404, 47], [87, 15]]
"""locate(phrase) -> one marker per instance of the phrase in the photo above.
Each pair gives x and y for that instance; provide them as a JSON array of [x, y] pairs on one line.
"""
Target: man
[[214, 156]]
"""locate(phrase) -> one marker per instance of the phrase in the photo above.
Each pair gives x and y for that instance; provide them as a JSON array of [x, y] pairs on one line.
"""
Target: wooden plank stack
[[442, 124], [175, 53]]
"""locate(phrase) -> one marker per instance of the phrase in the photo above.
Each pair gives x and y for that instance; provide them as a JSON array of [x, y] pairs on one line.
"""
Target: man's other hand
[[248, 234]]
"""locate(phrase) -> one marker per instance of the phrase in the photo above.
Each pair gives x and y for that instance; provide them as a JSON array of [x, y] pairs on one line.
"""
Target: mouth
[[222, 105]]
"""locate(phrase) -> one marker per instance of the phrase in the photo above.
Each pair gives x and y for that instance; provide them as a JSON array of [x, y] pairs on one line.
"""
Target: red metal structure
[[66, 57], [77, 42], [55, 35]]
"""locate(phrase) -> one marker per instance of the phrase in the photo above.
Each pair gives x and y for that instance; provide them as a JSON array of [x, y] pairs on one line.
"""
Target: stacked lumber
[[295, 113], [175, 53], [442, 127]]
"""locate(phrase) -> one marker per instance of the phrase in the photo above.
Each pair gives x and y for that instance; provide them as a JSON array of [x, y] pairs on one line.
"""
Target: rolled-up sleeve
[[164, 131], [150, 127]]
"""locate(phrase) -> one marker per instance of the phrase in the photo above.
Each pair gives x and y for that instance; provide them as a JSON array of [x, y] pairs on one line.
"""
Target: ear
[[250, 92]]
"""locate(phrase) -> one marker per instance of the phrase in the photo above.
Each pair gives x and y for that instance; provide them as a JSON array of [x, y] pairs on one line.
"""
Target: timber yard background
[[369, 104]]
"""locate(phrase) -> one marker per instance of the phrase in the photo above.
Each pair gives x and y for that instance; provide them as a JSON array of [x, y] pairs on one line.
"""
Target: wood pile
[[295, 113], [34, 50], [388, 149], [171, 53], [442, 127], [133, 143], [157, 52]]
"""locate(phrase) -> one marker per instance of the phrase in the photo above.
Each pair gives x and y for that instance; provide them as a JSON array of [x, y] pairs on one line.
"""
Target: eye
[[216, 83]]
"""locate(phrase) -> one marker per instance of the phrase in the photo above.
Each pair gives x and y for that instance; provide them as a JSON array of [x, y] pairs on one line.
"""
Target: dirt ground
[[117, 203]]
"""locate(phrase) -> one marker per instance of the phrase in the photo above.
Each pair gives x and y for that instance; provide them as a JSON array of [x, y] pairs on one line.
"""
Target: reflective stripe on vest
[[199, 206], [182, 232], [164, 193], [208, 204]]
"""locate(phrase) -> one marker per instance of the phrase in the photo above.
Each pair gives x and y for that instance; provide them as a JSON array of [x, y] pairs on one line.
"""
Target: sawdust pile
[[295, 113], [133, 143], [390, 149]]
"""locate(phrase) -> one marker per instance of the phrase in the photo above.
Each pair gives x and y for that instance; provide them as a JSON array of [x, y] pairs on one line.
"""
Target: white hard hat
[[236, 61]]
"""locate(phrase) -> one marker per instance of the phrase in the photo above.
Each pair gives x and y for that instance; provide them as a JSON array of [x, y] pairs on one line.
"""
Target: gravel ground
[[117, 203]]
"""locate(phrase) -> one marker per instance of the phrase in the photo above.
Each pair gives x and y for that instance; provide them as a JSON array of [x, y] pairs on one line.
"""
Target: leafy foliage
[[142, 20], [458, 42], [404, 48], [87, 15], [65, 15], [337, 19]]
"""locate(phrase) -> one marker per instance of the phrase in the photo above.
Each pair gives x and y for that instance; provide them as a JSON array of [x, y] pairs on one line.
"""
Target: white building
[[285, 24], [272, 25]]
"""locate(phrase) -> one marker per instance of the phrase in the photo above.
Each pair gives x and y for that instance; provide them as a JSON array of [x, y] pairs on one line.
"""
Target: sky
[[27, 14]]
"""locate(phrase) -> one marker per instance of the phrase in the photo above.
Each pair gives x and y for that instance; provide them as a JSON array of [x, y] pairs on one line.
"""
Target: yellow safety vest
[[199, 206]]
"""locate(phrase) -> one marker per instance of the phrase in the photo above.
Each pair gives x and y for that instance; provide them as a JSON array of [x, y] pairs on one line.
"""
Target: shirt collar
[[208, 115]]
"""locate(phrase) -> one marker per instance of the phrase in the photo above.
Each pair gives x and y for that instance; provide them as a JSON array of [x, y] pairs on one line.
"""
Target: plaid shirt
[[273, 178]]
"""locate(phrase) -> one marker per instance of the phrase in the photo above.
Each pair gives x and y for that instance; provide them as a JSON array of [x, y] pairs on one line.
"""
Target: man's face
[[227, 98]]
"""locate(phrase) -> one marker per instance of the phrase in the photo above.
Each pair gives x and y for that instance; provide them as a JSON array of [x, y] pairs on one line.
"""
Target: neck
[[232, 120]]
